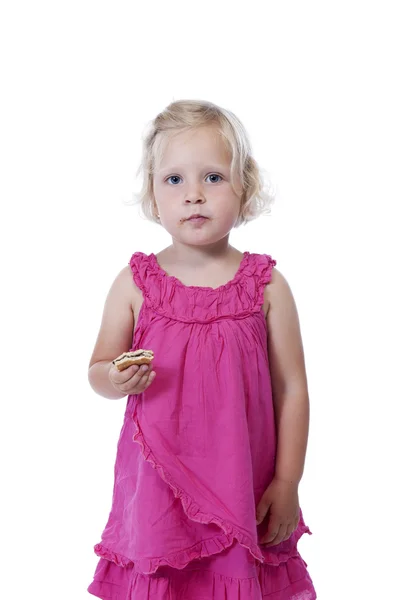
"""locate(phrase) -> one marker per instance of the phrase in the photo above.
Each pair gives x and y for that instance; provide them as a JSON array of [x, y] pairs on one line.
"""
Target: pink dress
[[197, 450]]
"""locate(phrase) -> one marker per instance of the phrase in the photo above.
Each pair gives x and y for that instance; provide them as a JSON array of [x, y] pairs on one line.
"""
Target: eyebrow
[[213, 167]]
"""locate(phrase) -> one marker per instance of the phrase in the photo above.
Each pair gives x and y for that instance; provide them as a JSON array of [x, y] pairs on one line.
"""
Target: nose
[[194, 195], [194, 200]]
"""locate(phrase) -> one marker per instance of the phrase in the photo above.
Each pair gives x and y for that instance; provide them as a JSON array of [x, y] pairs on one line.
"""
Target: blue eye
[[214, 175], [173, 177]]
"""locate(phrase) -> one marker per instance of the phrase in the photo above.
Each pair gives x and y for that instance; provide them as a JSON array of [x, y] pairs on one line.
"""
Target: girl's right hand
[[133, 380]]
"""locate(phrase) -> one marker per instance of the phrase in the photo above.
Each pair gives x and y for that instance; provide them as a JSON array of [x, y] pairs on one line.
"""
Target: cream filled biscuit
[[138, 357]]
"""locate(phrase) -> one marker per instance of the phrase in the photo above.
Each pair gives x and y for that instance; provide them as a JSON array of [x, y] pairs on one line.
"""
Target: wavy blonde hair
[[185, 115]]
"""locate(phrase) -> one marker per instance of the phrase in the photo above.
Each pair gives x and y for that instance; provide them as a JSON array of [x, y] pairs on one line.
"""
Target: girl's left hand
[[280, 503]]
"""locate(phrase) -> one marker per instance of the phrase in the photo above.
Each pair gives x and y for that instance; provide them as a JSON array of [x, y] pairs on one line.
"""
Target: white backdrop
[[315, 84]]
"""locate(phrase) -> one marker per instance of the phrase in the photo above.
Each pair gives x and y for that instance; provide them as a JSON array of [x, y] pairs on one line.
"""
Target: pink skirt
[[230, 575]]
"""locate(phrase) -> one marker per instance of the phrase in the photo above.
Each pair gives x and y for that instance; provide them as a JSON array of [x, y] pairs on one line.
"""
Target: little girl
[[212, 448]]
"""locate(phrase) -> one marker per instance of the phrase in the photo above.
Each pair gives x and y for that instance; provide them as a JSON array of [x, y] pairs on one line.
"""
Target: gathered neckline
[[177, 281]]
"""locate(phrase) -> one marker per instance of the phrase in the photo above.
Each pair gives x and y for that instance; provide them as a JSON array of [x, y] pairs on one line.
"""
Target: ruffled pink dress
[[197, 450]]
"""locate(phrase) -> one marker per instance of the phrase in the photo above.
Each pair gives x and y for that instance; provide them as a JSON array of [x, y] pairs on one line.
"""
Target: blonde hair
[[184, 115]]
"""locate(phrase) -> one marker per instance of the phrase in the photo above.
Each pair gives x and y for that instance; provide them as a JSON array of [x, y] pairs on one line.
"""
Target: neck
[[196, 255]]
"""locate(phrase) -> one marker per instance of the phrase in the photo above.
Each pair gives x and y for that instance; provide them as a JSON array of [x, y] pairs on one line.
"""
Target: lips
[[196, 217]]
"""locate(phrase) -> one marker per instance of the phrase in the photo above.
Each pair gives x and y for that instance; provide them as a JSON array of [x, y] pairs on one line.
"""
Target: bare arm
[[289, 381], [115, 335]]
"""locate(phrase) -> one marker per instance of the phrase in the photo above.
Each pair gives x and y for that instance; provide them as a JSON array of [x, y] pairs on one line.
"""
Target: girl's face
[[193, 178]]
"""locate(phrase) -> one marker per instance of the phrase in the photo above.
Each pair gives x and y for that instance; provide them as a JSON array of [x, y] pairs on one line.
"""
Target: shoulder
[[277, 292], [128, 286], [282, 316]]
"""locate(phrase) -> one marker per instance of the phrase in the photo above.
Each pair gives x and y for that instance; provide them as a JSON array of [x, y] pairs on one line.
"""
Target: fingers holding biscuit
[[121, 377], [132, 380], [129, 373], [144, 377]]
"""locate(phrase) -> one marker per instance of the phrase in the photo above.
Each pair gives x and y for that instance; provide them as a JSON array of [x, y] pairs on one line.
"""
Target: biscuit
[[138, 357]]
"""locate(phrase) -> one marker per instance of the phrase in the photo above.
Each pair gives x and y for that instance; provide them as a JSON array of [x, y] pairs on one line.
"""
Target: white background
[[315, 84]]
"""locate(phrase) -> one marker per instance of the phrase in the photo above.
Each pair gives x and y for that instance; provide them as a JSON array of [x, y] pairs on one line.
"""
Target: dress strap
[[140, 266], [257, 274]]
